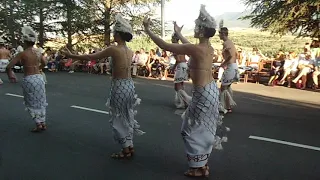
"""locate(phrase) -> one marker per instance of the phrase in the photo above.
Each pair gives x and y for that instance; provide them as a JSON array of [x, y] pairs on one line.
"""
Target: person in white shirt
[[305, 66], [290, 66], [140, 60]]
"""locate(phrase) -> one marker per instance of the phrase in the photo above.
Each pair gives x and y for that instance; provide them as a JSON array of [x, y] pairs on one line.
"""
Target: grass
[[244, 38]]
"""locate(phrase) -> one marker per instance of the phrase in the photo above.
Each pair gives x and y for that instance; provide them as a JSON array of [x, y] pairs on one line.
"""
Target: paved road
[[78, 143]]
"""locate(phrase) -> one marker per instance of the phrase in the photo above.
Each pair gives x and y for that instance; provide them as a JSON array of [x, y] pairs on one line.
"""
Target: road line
[[13, 95], [285, 143], [90, 109]]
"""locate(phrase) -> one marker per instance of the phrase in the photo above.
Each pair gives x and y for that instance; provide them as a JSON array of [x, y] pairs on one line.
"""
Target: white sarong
[[181, 73], [201, 123], [3, 65], [35, 100], [230, 75], [121, 108]]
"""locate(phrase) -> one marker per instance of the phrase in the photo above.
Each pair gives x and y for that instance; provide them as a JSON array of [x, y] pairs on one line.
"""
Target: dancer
[[32, 84], [201, 118], [231, 73], [122, 95], [182, 99], [4, 57]]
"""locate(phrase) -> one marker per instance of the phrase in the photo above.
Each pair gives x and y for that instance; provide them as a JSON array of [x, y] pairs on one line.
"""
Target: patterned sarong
[[230, 75], [181, 73], [3, 65], [35, 97], [199, 127], [121, 108]]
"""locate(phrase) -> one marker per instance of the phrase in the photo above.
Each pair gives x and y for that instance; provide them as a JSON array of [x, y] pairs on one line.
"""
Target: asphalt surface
[[78, 143]]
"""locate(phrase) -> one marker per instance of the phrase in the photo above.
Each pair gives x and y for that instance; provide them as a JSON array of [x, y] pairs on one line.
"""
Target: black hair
[[125, 36], [29, 43], [209, 32], [174, 37], [224, 31]]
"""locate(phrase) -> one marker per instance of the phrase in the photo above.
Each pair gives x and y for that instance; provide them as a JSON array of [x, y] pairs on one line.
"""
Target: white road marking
[[285, 143], [13, 95], [90, 109]]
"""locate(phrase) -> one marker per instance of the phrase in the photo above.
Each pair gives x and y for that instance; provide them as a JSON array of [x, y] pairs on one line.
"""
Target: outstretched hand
[[65, 51], [146, 22], [177, 29]]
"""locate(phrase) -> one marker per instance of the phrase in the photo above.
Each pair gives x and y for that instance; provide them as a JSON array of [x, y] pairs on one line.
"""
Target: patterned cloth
[[181, 73], [3, 64], [200, 121], [121, 108], [35, 97], [230, 75]]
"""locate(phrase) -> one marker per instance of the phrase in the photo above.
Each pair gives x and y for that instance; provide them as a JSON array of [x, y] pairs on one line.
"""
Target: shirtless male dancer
[[122, 95], [181, 74], [32, 84], [201, 118], [231, 74], [4, 57]]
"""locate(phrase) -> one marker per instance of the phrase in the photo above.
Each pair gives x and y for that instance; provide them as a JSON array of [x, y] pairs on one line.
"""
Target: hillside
[[231, 19]]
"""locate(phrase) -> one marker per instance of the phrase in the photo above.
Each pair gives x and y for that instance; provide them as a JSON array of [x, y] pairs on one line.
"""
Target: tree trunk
[[10, 25], [69, 24], [107, 15], [41, 27]]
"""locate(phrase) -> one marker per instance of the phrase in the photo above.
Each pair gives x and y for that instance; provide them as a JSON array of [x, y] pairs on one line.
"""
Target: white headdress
[[122, 25], [2, 41], [204, 19], [28, 34]]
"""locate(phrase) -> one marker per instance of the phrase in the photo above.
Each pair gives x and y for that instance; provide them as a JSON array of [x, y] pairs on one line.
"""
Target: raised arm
[[87, 57], [176, 48], [177, 31]]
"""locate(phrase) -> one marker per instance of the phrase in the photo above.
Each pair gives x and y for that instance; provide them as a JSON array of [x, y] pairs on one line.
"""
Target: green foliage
[[283, 16], [246, 39]]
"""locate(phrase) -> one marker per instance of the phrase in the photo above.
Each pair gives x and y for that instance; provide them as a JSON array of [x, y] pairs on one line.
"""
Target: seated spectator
[[316, 72], [52, 64], [290, 67], [139, 60], [305, 67], [276, 66], [151, 59], [74, 64], [254, 59], [102, 65]]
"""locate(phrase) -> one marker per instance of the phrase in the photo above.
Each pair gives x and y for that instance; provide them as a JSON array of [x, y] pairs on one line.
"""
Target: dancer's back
[[4, 53], [31, 59], [121, 62], [201, 64]]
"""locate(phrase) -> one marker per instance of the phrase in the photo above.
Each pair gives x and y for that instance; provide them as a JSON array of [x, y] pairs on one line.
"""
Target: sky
[[186, 11]]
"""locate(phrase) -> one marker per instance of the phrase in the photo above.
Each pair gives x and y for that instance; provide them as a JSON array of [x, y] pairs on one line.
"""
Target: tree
[[11, 13], [134, 10], [301, 17], [41, 13]]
